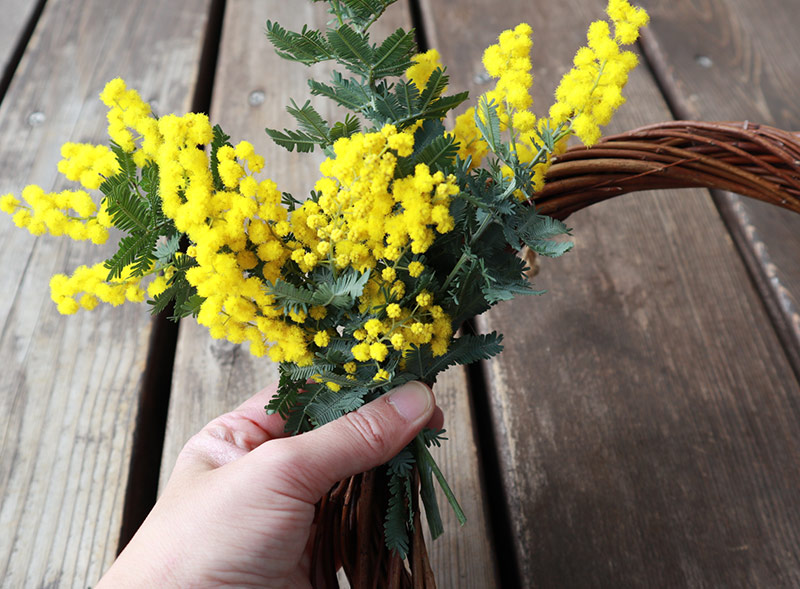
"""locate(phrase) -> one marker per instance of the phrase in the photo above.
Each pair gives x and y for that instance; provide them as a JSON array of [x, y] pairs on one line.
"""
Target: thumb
[[359, 441]]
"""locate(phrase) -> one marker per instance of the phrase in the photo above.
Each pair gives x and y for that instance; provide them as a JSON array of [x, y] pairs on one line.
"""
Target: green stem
[[371, 21], [427, 466], [338, 11], [484, 224]]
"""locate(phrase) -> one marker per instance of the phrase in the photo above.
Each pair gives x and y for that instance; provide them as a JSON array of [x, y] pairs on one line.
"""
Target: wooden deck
[[642, 428]]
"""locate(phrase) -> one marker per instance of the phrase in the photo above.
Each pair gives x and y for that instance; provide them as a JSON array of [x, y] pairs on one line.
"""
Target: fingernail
[[412, 400]]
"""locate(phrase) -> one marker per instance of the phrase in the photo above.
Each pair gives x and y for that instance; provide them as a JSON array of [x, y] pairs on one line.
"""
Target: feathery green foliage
[[135, 208]]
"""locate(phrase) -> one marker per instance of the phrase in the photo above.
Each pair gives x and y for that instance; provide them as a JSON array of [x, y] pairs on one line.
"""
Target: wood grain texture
[[70, 388], [464, 557], [13, 26], [211, 377], [645, 411], [731, 60]]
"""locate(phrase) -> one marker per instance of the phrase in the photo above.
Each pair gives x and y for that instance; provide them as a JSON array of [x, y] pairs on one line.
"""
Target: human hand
[[238, 508]]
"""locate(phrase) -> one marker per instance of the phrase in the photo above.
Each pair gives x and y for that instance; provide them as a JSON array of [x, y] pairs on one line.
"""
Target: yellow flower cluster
[[399, 327], [88, 164], [363, 214], [232, 230], [424, 65], [591, 91], [126, 111], [586, 98], [71, 213], [508, 61], [241, 235], [88, 286], [241, 228], [364, 218]]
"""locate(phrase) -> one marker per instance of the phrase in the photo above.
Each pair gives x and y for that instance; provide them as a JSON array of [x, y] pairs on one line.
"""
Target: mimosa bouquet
[[413, 227]]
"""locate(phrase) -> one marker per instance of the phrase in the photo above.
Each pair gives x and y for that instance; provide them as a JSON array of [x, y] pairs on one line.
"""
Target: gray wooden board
[[735, 60], [251, 90], [16, 15], [646, 414], [70, 386]]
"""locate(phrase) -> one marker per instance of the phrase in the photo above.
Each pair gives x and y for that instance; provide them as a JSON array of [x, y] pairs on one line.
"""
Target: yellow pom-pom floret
[[322, 339], [415, 269], [381, 375], [89, 285], [88, 164], [9, 204], [422, 68], [68, 212]]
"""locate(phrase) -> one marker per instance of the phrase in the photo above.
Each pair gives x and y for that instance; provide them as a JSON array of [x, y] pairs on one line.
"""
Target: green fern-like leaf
[[440, 153], [285, 396], [165, 250], [407, 95], [128, 211], [345, 128], [550, 249], [161, 301], [304, 373], [348, 93], [488, 122], [352, 49], [330, 405], [310, 121], [220, 138], [535, 226], [149, 182], [443, 105], [126, 164], [507, 291], [361, 13], [307, 47], [136, 250], [390, 108], [434, 437], [291, 297], [437, 82], [393, 57], [466, 349], [188, 306], [342, 291], [291, 140], [399, 517]]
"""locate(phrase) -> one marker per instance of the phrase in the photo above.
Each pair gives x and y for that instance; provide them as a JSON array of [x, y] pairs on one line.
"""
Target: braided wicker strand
[[758, 161]]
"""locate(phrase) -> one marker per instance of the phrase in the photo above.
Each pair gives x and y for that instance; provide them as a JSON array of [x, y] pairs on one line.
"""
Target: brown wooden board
[[735, 60], [251, 90], [645, 412], [70, 388]]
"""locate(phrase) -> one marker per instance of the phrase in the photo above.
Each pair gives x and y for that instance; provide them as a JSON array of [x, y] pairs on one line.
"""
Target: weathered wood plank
[[645, 411], [14, 27], [733, 60], [70, 389], [211, 377]]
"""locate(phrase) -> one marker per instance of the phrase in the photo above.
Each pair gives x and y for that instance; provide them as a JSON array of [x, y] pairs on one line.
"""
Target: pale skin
[[238, 509]]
